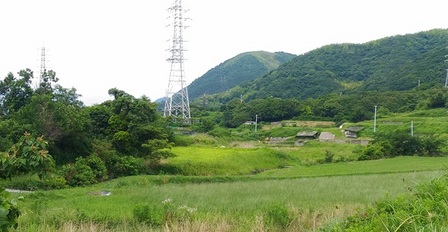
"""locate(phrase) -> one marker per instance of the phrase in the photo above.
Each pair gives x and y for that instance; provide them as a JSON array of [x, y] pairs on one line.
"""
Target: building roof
[[307, 134], [354, 128]]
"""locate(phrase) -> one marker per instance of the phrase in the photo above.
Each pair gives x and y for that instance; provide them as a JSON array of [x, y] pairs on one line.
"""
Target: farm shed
[[307, 135], [352, 132]]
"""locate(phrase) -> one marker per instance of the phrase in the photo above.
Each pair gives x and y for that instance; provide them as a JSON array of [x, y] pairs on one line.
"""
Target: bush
[[85, 171], [328, 156], [124, 166], [98, 167], [78, 174], [399, 143]]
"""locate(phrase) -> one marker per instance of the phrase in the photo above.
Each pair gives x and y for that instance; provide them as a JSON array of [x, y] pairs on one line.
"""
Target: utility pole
[[446, 79], [177, 104], [412, 128], [374, 121], [256, 122]]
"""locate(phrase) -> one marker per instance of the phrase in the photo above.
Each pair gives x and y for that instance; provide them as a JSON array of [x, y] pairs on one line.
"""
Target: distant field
[[429, 122], [394, 165]]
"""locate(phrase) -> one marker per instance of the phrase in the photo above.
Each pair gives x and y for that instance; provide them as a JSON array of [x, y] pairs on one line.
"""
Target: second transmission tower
[[177, 104], [43, 67]]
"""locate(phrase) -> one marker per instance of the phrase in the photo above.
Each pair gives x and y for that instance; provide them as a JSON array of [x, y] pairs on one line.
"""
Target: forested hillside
[[239, 69], [388, 64]]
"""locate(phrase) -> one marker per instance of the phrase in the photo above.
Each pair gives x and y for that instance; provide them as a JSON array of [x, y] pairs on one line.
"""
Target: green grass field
[[245, 185], [316, 193], [239, 202]]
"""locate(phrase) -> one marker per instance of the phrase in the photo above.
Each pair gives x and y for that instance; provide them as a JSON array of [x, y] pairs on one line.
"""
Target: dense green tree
[[26, 156], [132, 122], [15, 92]]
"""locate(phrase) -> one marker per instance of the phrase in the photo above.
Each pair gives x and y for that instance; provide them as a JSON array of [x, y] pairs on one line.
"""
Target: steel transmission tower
[[43, 68], [176, 101]]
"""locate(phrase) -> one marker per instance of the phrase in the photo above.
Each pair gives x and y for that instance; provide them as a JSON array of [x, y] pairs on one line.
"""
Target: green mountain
[[394, 63], [242, 68]]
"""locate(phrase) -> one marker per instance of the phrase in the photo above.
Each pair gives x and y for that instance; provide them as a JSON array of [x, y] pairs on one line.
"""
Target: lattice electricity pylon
[[177, 104], [43, 68]]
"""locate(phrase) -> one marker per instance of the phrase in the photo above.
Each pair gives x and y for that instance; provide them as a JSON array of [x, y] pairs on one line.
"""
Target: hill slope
[[390, 64], [241, 68]]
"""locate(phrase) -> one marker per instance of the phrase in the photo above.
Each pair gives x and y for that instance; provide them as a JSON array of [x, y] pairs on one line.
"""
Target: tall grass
[[239, 206]]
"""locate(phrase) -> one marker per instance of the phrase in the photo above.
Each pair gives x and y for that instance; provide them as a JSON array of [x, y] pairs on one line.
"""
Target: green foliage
[[9, 212], [329, 156], [394, 63], [15, 93], [133, 121], [122, 142], [28, 155], [78, 174], [398, 143], [425, 210], [119, 166], [241, 68], [205, 125], [85, 171]]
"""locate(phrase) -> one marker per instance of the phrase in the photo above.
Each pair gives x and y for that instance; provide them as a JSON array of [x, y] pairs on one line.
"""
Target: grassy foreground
[[229, 206], [312, 196]]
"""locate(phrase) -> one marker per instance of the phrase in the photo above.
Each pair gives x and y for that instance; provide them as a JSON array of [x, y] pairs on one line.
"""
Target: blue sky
[[101, 44]]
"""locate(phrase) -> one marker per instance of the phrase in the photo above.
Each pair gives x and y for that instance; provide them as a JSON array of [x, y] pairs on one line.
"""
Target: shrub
[[328, 156], [399, 143], [85, 171], [98, 167], [78, 174], [124, 166]]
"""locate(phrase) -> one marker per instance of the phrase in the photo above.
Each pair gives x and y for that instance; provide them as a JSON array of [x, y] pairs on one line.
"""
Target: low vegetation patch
[[424, 210]]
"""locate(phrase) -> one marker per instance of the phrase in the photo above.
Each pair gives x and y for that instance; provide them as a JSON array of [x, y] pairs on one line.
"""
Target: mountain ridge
[[393, 63], [241, 68]]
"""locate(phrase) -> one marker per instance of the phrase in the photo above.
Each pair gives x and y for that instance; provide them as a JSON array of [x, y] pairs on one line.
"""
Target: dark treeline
[[124, 126], [354, 107]]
